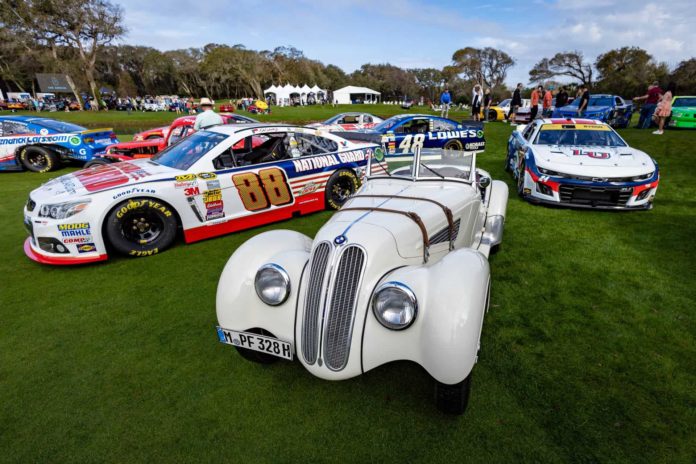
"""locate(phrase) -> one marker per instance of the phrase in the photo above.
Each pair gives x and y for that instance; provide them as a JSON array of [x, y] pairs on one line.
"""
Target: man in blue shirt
[[207, 117], [445, 101]]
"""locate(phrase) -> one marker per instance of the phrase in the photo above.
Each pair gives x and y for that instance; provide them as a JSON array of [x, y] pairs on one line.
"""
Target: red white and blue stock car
[[213, 182], [580, 163]]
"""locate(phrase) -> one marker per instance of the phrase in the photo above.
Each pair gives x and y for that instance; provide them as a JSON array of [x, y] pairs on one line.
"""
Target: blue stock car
[[610, 109], [41, 144], [403, 133]]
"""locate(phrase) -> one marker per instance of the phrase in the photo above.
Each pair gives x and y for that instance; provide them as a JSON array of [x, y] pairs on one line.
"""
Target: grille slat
[[339, 324], [599, 196], [310, 328]]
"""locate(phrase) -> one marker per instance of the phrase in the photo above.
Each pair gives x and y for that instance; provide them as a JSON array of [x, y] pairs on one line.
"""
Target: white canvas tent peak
[[351, 94], [283, 95]]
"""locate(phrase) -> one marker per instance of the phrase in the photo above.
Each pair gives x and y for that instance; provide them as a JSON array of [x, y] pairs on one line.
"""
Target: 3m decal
[[269, 187]]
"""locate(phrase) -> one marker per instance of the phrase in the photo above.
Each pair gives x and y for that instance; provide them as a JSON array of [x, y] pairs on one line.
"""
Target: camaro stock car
[[206, 185], [40, 144], [611, 109], [683, 113], [400, 272], [580, 163], [154, 133], [348, 122], [403, 134], [180, 128]]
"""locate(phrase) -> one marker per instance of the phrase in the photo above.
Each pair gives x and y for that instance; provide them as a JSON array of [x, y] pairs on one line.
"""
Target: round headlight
[[272, 284], [394, 305]]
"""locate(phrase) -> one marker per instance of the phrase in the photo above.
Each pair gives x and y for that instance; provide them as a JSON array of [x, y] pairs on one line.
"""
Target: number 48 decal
[[269, 187], [417, 141]]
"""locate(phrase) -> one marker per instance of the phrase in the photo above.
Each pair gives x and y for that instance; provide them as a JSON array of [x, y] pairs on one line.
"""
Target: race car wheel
[[340, 186], [257, 356], [38, 159], [96, 162], [520, 179], [453, 145], [492, 115], [141, 227], [453, 399]]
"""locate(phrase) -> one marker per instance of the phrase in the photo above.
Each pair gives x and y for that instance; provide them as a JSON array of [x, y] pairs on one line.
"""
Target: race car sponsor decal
[[36, 139], [132, 204], [185, 178], [326, 161], [78, 229], [591, 154], [185, 184], [464, 133], [133, 191], [77, 240], [594, 127], [213, 184], [110, 175], [265, 130], [207, 175], [86, 248], [213, 204], [192, 191], [475, 145], [310, 187]]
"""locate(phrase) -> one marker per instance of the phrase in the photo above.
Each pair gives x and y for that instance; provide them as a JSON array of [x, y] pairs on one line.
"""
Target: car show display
[[149, 146], [42, 144], [580, 163], [683, 113], [400, 272], [220, 180], [611, 109], [401, 135]]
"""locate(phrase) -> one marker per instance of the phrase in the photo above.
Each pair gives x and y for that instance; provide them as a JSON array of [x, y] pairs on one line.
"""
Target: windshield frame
[[190, 138], [415, 173], [610, 130]]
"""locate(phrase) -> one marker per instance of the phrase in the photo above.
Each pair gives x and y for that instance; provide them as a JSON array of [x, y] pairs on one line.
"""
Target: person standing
[[515, 103], [561, 97], [646, 111], [546, 103], [584, 99], [534, 109], [487, 100], [445, 100], [207, 117], [476, 102], [664, 109]]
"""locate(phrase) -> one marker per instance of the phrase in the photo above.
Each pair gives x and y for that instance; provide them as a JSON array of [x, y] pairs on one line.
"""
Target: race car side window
[[309, 144], [414, 126], [442, 125], [14, 128], [528, 131], [367, 119], [618, 101]]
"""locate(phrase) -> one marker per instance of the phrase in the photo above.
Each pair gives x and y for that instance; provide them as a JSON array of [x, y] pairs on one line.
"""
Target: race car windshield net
[[429, 164], [595, 101], [569, 137], [183, 154], [60, 126], [386, 125], [682, 102]]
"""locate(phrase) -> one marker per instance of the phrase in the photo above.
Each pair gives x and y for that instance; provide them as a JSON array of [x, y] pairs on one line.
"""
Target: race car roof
[[569, 121], [230, 129]]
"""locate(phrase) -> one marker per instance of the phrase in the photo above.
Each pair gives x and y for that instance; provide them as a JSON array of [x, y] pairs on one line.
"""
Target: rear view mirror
[[484, 182]]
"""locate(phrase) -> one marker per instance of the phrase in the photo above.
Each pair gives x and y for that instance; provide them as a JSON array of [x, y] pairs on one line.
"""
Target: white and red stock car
[[580, 163], [211, 183], [348, 122]]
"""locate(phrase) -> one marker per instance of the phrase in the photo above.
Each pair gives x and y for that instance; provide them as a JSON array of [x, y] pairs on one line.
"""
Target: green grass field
[[588, 352]]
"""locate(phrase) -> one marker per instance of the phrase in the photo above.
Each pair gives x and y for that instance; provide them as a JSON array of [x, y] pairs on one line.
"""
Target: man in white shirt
[[207, 117]]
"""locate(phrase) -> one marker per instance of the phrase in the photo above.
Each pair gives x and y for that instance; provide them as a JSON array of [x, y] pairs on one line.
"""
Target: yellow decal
[[569, 125], [185, 178]]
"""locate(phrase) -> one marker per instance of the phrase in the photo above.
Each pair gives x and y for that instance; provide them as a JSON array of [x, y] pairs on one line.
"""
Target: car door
[[410, 134]]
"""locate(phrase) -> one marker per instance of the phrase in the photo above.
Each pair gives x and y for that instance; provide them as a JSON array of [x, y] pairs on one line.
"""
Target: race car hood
[[100, 178], [593, 161]]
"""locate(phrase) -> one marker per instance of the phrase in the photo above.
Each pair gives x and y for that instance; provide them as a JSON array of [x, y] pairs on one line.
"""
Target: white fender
[[495, 216], [238, 306], [444, 338]]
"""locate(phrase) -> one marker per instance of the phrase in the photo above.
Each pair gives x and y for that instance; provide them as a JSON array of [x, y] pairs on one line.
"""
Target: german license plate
[[256, 342]]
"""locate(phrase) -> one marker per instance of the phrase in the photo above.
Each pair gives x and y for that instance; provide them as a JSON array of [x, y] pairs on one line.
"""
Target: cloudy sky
[[418, 33]]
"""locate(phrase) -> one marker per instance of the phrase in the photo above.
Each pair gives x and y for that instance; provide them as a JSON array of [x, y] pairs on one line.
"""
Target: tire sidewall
[[113, 227], [331, 203], [51, 159], [453, 145]]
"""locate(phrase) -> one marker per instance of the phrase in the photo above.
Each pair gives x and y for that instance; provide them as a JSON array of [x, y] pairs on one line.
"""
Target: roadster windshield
[[183, 154], [602, 136], [424, 164]]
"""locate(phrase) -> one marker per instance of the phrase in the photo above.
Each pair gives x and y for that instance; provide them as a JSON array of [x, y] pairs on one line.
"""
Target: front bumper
[[57, 260], [683, 123]]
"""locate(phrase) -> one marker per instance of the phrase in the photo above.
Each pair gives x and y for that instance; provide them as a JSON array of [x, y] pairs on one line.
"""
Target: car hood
[[397, 228], [101, 178], [593, 161]]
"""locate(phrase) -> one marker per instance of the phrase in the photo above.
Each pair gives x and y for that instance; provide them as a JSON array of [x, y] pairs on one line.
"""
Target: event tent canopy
[[351, 94], [283, 94]]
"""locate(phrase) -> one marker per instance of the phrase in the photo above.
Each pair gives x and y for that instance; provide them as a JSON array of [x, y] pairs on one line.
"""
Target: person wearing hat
[[207, 117]]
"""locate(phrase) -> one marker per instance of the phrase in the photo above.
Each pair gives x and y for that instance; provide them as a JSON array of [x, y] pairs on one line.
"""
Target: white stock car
[[580, 163], [399, 273], [213, 182], [348, 122]]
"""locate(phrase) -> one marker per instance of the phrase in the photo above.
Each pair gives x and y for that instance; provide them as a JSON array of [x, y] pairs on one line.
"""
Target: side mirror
[[484, 182]]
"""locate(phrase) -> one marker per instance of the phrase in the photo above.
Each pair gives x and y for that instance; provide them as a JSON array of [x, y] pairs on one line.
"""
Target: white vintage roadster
[[399, 273]]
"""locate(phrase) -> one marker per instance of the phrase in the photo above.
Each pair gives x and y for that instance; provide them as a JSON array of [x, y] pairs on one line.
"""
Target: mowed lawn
[[588, 351]]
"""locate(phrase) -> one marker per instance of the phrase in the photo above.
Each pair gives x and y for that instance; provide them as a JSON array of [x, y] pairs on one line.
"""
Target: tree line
[[37, 36]]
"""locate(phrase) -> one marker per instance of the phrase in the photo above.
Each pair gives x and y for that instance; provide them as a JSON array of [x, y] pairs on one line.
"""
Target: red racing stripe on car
[[308, 178]]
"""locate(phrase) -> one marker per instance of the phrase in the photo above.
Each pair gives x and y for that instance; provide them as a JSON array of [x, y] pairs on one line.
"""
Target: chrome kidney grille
[[333, 315]]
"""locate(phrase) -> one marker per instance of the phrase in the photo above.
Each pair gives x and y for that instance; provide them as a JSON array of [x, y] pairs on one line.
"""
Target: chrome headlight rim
[[406, 290], [64, 210], [282, 273]]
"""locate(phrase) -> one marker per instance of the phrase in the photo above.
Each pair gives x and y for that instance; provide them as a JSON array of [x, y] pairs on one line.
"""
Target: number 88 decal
[[257, 192]]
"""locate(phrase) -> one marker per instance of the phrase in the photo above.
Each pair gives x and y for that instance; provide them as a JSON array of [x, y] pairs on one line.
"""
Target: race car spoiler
[[92, 131]]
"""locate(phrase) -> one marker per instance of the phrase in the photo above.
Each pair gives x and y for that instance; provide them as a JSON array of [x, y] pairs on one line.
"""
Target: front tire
[[340, 186], [492, 115], [520, 179], [141, 227], [453, 399], [453, 145], [39, 159]]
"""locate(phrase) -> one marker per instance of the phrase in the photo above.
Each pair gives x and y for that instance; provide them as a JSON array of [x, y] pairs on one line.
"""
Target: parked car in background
[[155, 133], [400, 272], [580, 163], [180, 128], [13, 104], [42, 144], [227, 107], [683, 113], [611, 109], [348, 122], [214, 182]]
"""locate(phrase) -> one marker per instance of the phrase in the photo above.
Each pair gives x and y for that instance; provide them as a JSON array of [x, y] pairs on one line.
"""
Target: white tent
[[351, 94], [286, 94]]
